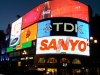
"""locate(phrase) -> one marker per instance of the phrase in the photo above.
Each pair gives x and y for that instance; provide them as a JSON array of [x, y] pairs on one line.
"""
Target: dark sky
[[10, 8]]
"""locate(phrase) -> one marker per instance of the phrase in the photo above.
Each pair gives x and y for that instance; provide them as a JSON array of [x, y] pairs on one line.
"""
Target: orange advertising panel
[[29, 33]]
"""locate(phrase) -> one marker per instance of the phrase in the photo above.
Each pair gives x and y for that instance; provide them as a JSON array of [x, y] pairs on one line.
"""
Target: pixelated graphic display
[[32, 16], [28, 33], [15, 32], [65, 8], [83, 31], [62, 45], [44, 28], [61, 8]]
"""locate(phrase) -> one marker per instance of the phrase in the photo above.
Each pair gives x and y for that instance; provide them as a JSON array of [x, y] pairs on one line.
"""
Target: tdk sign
[[75, 27], [63, 27]]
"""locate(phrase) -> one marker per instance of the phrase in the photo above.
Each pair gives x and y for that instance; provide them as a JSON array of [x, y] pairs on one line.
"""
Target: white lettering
[[75, 27]]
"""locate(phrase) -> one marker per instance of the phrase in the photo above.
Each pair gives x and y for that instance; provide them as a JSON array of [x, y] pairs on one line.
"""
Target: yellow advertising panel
[[29, 33]]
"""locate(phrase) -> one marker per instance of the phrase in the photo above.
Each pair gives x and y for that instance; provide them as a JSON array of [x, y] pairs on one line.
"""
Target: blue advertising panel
[[43, 29], [83, 30]]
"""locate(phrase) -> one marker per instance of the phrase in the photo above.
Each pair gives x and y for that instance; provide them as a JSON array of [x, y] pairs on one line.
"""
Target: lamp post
[[93, 43]]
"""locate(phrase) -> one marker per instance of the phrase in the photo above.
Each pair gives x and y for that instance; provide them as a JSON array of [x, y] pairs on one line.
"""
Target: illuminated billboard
[[65, 8], [84, 32], [56, 8], [32, 16], [63, 26], [28, 33], [43, 28], [61, 8], [19, 47], [62, 45], [15, 32]]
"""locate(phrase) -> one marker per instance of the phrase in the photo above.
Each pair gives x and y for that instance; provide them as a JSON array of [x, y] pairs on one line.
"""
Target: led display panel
[[9, 49], [15, 32], [56, 8], [28, 33], [32, 16], [83, 32], [43, 28], [19, 47], [62, 45], [63, 26], [65, 8]]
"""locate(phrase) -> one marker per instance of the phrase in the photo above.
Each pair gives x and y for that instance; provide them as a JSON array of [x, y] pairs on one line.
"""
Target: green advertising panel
[[9, 49], [27, 44], [19, 47]]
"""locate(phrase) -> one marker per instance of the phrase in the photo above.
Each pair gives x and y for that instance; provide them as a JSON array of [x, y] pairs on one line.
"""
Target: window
[[52, 60], [41, 60], [64, 60], [76, 61]]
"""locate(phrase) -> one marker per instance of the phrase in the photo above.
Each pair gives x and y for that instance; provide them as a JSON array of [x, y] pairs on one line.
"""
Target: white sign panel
[[62, 45], [15, 32]]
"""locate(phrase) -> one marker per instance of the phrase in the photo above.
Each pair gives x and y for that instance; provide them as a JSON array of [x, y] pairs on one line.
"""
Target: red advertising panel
[[64, 8], [56, 8], [32, 16]]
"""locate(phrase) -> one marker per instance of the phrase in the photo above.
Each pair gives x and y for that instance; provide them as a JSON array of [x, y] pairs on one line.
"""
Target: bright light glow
[[24, 52], [26, 57], [95, 41], [91, 38]]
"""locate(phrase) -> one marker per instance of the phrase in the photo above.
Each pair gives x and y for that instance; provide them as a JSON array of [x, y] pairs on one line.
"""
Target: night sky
[[10, 8]]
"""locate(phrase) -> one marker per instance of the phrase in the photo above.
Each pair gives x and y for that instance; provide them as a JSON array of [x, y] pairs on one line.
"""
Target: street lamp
[[91, 38], [93, 43]]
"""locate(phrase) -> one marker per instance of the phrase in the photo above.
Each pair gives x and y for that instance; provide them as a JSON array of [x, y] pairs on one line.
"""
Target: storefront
[[62, 64], [20, 60]]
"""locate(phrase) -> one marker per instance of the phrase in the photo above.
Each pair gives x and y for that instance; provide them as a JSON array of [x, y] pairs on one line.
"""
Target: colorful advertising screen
[[15, 32], [83, 32], [65, 8], [63, 26], [62, 45], [28, 33], [19, 47], [56, 8], [32, 16], [43, 28]]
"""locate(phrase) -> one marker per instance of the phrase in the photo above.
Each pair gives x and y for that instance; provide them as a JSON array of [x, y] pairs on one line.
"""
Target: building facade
[[54, 36]]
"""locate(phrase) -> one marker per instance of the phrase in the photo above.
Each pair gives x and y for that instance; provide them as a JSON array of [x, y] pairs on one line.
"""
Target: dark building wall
[[2, 36]]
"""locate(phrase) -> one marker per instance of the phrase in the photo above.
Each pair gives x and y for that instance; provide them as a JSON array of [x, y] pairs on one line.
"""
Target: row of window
[[54, 60]]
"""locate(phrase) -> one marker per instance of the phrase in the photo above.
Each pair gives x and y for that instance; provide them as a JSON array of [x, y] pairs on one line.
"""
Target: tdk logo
[[73, 27], [48, 28]]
